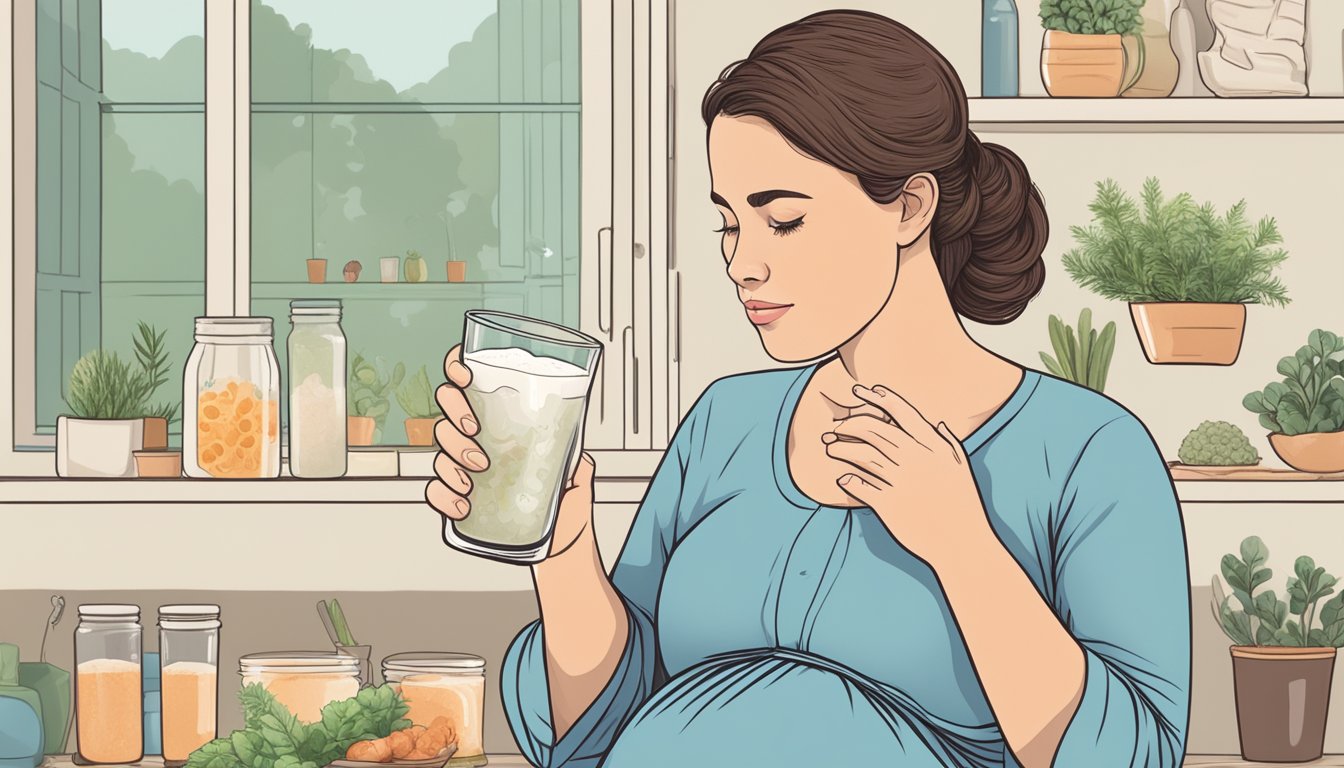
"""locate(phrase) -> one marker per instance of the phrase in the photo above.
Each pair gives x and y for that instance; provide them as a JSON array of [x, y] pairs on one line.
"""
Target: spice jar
[[304, 681], [231, 398], [108, 716], [317, 404], [450, 685], [189, 678]]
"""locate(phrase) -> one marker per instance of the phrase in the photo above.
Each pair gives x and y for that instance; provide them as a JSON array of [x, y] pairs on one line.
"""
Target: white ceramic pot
[[97, 447], [387, 267]]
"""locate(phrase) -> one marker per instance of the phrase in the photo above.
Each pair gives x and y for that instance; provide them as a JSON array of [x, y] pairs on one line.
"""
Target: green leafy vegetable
[[273, 737], [1093, 17]]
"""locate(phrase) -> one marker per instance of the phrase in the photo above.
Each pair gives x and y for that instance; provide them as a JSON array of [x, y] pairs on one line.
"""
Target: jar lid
[[110, 610], [234, 326], [330, 307], [203, 611], [299, 662], [422, 661]]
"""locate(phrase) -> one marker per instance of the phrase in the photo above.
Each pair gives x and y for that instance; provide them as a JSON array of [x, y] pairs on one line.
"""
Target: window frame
[[625, 280]]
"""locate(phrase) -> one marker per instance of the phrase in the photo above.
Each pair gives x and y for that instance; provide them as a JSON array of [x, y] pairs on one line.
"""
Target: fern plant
[[1175, 250], [1084, 358], [103, 386]]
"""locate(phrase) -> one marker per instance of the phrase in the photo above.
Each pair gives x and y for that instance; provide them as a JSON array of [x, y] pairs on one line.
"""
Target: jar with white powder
[[317, 407]]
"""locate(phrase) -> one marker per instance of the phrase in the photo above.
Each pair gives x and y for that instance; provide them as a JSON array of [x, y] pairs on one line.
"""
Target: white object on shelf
[[97, 447], [1245, 61]]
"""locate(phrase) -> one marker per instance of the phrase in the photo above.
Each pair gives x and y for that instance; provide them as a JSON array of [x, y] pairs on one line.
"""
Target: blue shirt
[[766, 629]]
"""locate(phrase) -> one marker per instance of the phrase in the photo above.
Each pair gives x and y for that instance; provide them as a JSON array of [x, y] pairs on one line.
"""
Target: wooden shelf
[[1235, 761], [1183, 472], [1320, 113]]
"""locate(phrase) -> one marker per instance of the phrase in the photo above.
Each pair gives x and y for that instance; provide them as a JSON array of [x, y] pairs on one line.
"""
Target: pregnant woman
[[913, 552]]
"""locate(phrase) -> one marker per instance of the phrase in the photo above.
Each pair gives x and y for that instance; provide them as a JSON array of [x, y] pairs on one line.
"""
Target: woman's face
[[800, 233]]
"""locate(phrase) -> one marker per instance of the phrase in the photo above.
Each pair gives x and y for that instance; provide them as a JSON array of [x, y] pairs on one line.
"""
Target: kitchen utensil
[[326, 622]]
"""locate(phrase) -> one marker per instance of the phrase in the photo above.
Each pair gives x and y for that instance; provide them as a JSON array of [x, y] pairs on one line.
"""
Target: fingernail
[[475, 458], [468, 425], [828, 437], [859, 389], [845, 480], [462, 506]]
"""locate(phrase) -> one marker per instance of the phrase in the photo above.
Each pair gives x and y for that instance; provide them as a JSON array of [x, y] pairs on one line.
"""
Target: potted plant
[[416, 269], [387, 268], [367, 399], [1083, 53], [1305, 411], [1282, 662], [1085, 358], [1186, 272], [416, 398], [1217, 444], [352, 270], [317, 270], [109, 400]]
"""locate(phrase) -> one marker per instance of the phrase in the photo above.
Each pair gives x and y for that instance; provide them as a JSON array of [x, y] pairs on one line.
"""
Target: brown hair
[[866, 95]]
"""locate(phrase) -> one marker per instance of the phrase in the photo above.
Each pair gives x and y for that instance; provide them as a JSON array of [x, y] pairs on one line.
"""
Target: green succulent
[[368, 391], [416, 396], [1083, 358], [1310, 398], [1217, 444]]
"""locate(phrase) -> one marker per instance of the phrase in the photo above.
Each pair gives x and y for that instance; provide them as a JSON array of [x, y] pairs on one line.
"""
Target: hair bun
[[1003, 270]]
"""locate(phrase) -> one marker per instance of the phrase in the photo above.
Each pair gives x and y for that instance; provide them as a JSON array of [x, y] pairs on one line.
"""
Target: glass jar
[[450, 685], [231, 400], [189, 678], [108, 696], [304, 681], [317, 406]]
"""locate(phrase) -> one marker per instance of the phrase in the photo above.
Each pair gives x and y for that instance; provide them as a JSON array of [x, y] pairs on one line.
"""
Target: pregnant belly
[[780, 706]]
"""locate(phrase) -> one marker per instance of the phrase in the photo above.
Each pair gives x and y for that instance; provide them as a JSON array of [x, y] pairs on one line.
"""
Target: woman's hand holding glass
[[459, 455]]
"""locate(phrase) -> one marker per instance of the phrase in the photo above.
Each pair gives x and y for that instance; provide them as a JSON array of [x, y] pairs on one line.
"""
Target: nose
[[745, 270]]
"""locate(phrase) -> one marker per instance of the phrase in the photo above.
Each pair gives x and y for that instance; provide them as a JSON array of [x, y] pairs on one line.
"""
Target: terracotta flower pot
[[457, 271], [1283, 697], [158, 463], [359, 430], [420, 431], [1082, 65], [1311, 452], [317, 270], [1189, 332], [155, 433]]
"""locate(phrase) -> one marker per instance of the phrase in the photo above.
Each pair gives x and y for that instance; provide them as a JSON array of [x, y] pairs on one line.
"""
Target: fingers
[[452, 474], [459, 447], [583, 473], [442, 498], [454, 370], [882, 435], [907, 417], [454, 405], [957, 449], [859, 487], [864, 457]]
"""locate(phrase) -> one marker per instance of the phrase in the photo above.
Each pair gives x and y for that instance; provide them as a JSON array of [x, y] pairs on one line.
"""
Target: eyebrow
[[758, 199]]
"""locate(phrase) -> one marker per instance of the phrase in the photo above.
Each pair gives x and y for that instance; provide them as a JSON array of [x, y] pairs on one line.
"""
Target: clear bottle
[[189, 678], [231, 400], [998, 48], [108, 697], [450, 685], [317, 380]]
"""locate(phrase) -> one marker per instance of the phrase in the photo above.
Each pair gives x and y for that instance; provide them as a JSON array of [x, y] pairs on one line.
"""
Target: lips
[[764, 312]]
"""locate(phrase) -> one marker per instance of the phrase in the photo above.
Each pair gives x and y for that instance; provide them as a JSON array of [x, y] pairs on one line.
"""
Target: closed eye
[[783, 228], [727, 230]]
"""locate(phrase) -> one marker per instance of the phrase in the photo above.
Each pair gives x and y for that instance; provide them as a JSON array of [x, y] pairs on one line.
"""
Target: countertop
[[517, 761]]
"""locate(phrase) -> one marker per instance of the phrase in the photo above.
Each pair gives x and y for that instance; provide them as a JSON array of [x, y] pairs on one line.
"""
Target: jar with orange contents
[[231, 394], [444, 684]]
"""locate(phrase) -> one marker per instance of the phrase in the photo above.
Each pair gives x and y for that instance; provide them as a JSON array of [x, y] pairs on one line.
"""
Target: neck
[[915, 346]]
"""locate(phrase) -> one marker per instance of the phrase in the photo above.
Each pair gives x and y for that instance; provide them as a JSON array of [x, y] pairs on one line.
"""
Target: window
[[119, 187], [448, 130], [508, 135]]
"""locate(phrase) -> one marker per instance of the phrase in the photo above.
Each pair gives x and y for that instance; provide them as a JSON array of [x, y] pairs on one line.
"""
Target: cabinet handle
[[676, 347], [639, 250], [632, 363], [605, 295]]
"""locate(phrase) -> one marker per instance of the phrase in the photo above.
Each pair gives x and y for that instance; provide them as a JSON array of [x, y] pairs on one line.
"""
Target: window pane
[[120, 205], [154, 50], [363, 187], [421, 51]]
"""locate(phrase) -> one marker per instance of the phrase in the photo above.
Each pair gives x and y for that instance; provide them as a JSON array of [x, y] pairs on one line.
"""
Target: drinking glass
[[529, 388]]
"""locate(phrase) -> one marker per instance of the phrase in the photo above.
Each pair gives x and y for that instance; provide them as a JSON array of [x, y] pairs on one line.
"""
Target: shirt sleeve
[[636, 577], [1122, 589]]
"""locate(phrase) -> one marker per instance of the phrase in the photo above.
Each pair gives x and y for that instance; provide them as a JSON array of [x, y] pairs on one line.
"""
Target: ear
[[917, 202]]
